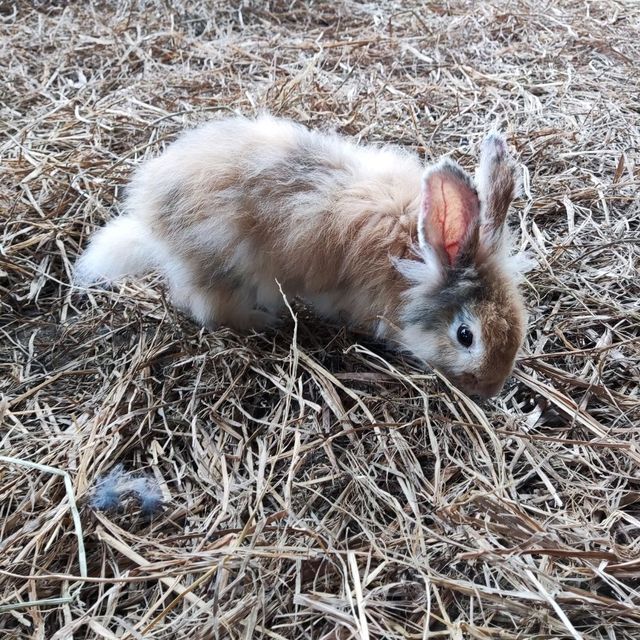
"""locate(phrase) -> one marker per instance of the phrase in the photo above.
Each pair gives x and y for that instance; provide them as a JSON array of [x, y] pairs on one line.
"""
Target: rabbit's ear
[[498, 180], [449, 213]]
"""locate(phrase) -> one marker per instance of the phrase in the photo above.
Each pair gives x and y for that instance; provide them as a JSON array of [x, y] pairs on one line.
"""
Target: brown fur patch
[[501, 195], [498, 186], [502, 316]]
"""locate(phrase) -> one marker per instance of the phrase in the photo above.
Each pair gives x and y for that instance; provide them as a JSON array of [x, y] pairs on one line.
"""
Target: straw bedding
[[314, 484]]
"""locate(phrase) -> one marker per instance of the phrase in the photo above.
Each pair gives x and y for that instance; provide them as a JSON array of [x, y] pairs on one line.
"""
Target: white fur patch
[[429, 270], [123, 247], [516, 265], [468, 359], [422, 344], [456, 359]]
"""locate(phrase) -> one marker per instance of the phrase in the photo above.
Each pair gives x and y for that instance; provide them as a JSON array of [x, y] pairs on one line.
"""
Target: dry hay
[[317, 486]]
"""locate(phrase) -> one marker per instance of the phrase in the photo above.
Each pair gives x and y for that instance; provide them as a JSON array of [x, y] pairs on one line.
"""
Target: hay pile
[[315, 485]]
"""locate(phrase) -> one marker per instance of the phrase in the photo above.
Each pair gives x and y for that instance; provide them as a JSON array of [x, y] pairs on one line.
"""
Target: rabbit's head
[[464, 314]]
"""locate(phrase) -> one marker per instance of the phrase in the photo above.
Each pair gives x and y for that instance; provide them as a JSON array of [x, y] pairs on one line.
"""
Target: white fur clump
[[113, 489], [424, 269], [124, 247]]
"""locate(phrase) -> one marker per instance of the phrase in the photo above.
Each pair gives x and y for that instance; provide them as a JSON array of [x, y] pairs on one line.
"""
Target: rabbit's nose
[[481, 389], [487, 390]]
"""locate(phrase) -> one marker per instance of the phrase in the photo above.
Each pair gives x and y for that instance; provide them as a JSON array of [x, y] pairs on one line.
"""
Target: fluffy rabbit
[[420, 257]]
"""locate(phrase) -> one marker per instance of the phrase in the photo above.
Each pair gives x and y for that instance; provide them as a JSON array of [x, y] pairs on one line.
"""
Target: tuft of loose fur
[[113, 489]]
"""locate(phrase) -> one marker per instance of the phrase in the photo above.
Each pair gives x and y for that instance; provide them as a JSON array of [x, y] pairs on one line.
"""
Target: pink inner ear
[[452, 208]]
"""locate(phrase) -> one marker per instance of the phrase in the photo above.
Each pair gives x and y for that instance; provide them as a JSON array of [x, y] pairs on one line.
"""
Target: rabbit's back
[[264, 200]]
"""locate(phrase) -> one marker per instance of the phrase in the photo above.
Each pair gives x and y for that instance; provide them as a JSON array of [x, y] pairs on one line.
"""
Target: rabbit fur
[[237, 209]]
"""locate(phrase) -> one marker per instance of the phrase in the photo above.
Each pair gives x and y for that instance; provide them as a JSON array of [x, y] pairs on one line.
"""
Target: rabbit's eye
[[465, 337]]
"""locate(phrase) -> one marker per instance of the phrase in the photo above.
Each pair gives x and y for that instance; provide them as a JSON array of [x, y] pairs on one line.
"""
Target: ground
[[314, 484]]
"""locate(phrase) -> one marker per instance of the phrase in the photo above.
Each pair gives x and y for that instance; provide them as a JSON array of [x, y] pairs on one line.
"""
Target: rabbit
[[238, 211]]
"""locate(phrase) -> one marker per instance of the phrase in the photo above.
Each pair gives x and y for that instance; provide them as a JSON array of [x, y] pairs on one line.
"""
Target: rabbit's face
[[470, 329], [463, 313]]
